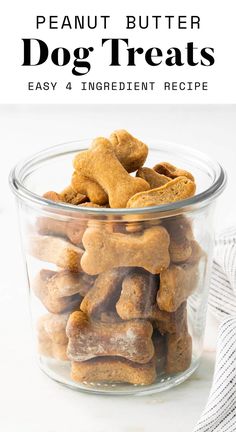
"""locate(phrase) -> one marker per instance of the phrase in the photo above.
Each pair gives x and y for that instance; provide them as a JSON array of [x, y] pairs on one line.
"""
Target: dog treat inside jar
[[117, 240]]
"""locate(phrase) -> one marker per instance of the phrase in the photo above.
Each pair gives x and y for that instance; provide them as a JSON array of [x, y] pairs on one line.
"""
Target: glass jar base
[[59, 371]]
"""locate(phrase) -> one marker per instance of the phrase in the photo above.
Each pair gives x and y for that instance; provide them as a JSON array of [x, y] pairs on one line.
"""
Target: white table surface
[[29, 401]]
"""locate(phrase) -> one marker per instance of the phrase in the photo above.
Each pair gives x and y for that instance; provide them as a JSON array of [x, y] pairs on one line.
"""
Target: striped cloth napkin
[[219, 414]]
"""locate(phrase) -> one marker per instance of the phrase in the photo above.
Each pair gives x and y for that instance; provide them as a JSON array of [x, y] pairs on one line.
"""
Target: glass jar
[[118, 296]]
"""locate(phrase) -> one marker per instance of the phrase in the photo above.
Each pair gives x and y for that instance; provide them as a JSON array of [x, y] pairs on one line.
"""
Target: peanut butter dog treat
[[165, 168], [66, 283], [180, 249], [71, 196], [101, 165], [176, 284], [71, 229], [47, 348], [179, 352], [89, 339], [131, 152], [57, 251], [54, 326], [153, 178], [175, 190], [138, 295], [89, 187], [104, 294], [113, 369], [197, 253], [52, 339], [53, 304], [181, 238], [179, 227], [148, 250], [169, 322], [68, 195]]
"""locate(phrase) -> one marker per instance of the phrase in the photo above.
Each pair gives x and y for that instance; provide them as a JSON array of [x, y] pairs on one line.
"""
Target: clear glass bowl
[[132, 323]]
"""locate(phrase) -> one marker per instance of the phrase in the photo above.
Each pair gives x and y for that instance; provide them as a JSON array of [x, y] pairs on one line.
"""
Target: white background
[[217, 30], [29, 401]]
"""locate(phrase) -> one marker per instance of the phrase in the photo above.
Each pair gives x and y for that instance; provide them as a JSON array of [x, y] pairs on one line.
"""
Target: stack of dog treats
[[117, 297]]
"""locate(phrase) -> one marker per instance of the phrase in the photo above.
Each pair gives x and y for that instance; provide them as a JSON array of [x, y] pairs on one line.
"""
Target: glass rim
[[201, 199]]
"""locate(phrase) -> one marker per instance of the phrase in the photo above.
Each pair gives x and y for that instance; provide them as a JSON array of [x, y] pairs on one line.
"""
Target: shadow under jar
[[118, 296]]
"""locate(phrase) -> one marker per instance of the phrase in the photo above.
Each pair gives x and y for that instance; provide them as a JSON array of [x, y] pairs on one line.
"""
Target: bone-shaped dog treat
[[179, 352], [101, 165], [179, 227], [72, 229], [89, 339], [197, 253], [180, 250], [181, 238], [130, 151], [47, 348], [53, 304], [66, 283], [53, 326], [169, 322], [104, 294], [57, 251], [153, 178], [52, 339], [112, 370], [89, 187], [138, 295], [175, 190], [104, 250], [68, 195], [169, 170], [176, 284]]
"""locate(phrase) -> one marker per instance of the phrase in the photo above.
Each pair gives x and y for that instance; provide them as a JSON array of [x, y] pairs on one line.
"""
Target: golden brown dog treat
[[138, 295], [179, 227], [130, 151], [169, 170], [89, 187], [65, 283], [180, 250], [53, 304], [53, 326], [153, 178], [179, 352], [57, 251], [169, 322], [148, 250], [112, 370], [104, 294], [68, 195], [52, 339], [47, 348], [72, 229], [89, 339], [181, 238], [101, 165], [71, 196], [175, 190], [52, 196], [197, 253], [176, 284]]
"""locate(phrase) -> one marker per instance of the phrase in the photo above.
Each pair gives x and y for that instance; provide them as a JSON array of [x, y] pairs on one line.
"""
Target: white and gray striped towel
[[219, 414]]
